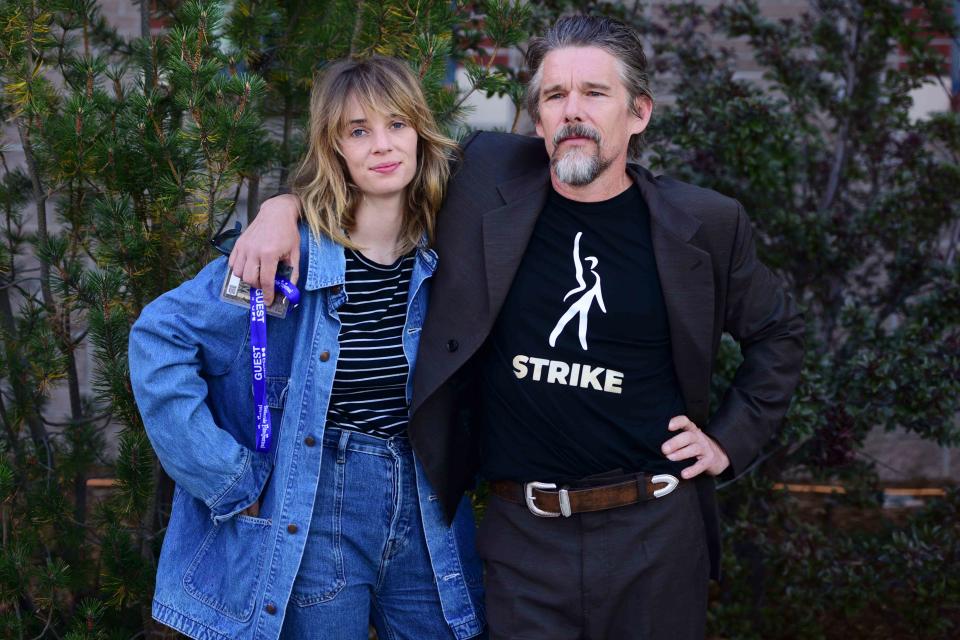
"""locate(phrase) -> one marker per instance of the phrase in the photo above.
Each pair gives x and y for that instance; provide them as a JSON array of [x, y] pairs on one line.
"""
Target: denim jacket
[[222, 574]]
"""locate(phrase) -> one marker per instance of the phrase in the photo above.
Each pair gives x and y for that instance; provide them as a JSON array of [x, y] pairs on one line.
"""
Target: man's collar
[[676, 221]]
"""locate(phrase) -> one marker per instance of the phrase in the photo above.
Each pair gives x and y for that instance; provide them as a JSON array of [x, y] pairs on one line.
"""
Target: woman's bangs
[[383, 95]]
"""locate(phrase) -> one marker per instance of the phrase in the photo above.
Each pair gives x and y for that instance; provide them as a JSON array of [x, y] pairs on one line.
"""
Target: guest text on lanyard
[[258, 346]]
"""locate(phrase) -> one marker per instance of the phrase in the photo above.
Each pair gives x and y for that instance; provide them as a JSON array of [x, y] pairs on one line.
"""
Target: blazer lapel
[[507, 230], [686, 278]]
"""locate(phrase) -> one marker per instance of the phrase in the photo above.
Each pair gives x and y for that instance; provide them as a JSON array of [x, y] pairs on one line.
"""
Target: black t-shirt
[[577, 374], [370, 386]]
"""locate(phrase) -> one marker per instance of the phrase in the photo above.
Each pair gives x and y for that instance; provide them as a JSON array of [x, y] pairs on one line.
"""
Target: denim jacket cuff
[[244, 489]]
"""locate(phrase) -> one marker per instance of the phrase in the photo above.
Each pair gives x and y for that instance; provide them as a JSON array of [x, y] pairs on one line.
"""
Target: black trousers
[[636, 572]]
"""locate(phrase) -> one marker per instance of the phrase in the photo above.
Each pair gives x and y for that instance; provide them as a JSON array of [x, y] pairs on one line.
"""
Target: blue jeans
[[366, 558]]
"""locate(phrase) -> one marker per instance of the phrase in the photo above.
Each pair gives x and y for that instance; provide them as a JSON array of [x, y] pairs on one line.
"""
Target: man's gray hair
[[616, 38]]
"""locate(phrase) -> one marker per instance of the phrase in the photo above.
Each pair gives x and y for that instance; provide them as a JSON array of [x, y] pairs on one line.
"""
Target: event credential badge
[[237, 292]]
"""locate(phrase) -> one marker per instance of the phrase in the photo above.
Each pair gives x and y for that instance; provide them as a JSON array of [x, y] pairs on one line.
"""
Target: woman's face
[[380, 151]]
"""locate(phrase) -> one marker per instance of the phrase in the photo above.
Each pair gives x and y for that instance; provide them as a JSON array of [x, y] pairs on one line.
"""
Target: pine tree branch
[[5, 521], [293, 17], [49, 620], [840, 151], [253, 197], [77, 340], [285, 140], [225, 165], [516, 118], [15, 284], [85, 420], [233, 206], [953, 244], [357, 27], [148, 83], [158, 130], [40, 200], [486, 73], [41, 437], [16, 608], [12, 438]]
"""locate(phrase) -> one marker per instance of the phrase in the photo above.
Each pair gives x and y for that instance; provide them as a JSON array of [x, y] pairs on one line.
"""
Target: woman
[[332, 528]]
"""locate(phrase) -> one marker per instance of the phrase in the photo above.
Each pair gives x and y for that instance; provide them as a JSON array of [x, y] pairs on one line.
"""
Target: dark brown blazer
[[712, 283]]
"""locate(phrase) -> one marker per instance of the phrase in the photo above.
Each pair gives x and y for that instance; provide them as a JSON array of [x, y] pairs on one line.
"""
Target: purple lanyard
[[258, 347]]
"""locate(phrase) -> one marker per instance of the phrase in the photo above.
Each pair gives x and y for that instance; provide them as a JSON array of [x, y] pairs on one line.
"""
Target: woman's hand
[[272, 237]]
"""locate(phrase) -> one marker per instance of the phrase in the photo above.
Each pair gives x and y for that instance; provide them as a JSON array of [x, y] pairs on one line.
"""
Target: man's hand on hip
[[692, 442]]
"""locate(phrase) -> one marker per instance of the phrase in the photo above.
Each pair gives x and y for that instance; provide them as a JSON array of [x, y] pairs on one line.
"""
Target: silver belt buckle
[[565, 510], [670, 481]]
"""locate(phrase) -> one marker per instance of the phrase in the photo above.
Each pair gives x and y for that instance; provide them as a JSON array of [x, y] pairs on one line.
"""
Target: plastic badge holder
[[236, 291]]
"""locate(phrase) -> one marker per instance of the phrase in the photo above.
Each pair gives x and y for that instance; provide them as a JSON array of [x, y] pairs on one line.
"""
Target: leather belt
[[545, 500]]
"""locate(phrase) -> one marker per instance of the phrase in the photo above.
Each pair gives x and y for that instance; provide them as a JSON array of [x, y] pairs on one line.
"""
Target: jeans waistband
[[344, 439]]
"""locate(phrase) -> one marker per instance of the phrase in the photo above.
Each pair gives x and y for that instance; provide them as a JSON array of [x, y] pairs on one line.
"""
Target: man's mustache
[[575, 131]]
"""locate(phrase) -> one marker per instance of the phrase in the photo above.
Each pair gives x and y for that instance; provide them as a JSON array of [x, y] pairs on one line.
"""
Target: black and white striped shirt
[[369, 388]]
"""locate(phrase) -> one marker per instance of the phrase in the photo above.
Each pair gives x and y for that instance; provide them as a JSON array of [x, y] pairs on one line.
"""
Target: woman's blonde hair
[[322, 181]]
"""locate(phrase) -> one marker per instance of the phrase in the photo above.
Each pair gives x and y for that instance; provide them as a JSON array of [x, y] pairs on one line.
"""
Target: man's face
[[585, 119]]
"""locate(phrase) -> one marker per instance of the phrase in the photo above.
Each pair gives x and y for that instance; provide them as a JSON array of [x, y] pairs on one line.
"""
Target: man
[[575, 319]]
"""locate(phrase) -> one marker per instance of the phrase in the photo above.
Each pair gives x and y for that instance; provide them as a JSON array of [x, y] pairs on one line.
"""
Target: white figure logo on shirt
[[582, 304]]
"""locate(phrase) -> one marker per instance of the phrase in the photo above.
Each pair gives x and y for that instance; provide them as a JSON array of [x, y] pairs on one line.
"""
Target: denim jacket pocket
[[227, 570], [277, 387]]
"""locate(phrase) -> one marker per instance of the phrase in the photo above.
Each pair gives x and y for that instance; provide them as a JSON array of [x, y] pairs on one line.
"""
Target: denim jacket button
[[324, 356], [292, 528], [452, 345], [336, 289], [309, 441], [271, 608]]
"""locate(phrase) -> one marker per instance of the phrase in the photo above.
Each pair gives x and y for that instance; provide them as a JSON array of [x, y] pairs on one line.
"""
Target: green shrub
[[136, 151]]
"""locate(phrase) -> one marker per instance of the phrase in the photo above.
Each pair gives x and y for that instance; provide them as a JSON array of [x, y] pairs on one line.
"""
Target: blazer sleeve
[[769, 326]]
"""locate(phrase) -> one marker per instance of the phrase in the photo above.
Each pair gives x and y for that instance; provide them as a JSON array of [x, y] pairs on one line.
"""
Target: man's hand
[[272, 237], [694, 443]]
